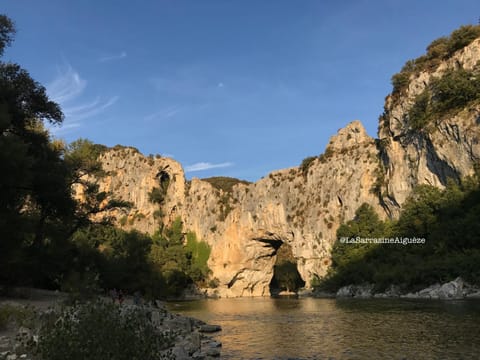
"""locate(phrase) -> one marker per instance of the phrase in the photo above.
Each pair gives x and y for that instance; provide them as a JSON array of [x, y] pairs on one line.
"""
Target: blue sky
[[227, 87]]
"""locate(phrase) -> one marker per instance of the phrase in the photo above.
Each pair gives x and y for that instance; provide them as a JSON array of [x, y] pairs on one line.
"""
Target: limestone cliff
[[302, 206], [247, 225], [449, 149]]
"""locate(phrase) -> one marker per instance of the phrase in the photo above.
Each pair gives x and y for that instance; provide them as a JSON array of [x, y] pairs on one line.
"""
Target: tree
[[32, 174], [7, 31]]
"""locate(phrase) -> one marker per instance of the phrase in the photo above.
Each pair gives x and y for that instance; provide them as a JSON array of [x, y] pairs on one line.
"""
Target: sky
[[226, 87]]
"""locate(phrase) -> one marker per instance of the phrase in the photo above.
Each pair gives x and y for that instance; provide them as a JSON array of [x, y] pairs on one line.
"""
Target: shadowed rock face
[[303, 206]]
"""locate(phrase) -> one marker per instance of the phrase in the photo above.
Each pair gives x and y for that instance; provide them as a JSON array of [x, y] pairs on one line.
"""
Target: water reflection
[[267, 328]]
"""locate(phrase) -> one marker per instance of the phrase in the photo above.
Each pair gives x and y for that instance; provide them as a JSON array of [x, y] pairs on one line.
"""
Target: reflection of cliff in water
[[286, 278], [310, 328]]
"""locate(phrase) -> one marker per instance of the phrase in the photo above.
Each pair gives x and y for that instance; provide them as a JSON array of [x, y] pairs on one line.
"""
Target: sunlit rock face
[[246, 226], [301, 206], [450, 150]]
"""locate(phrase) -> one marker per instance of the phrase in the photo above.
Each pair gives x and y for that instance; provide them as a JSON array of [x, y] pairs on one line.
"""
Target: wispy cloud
[[87, 110], [166, 113], [108, 58], [67, 89], [200, 166], [66, 86]]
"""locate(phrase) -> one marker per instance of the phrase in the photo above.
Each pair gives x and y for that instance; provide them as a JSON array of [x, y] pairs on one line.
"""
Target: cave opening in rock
[[286, 278]]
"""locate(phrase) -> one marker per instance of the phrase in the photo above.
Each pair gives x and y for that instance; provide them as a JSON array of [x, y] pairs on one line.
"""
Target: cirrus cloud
[[201, 166], [68, 89]]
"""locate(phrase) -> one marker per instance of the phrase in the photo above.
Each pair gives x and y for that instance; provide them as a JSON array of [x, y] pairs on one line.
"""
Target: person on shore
[[137, 298], [114, 295], [121, 298]]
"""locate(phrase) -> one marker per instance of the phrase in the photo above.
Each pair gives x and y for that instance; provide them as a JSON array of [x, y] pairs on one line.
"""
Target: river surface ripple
[[307, 328]]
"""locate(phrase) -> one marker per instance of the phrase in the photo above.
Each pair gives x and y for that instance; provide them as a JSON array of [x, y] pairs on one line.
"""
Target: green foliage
[[287, 277], [36, 207], [82, 156], [379, 184], [14, 314], [462, 37], [7, 31], [48, 238], [440, 49], [102, 330], [400, 81], [156, 196], [224, 183], [447, 219], [179, 262], [450, 92], [329, 152], [455, 89], [200, 252], [285, 272], [225, 207], [419, 114], [306, 163]]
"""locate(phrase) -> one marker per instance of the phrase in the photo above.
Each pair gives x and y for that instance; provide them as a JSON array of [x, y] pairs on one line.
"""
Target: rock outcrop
[[452, 290], [449, 150], [301, 206]]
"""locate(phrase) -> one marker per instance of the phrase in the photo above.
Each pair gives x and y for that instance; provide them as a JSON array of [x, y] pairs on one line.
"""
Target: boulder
[[346, 291], [358, 291], [210, 328], [451, 290]]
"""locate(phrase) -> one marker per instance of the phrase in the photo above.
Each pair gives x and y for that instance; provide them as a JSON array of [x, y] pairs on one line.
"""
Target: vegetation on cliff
[[48, 238], [447, 220], [451, 92], [439, 50], [224, 183], [285, 272]]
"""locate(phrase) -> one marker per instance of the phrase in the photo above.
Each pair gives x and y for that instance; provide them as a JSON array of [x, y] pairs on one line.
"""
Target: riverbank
[[453, 290], [26, 310], [310, 328]]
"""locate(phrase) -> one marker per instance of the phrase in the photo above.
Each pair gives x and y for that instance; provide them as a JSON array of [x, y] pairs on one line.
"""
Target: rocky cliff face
[[450, 148], [303, 206]]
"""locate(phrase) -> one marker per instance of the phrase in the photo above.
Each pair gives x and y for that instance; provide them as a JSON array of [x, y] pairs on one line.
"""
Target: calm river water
[[267, 328]]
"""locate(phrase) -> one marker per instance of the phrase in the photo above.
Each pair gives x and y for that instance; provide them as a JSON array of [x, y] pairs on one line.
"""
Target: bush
[[224, 183], [419, 113], [156, 196], [455, 89], [306, 163], [450, 92], [440, 49], [101, 331], [447, 219], [19, 315], [200, 252]]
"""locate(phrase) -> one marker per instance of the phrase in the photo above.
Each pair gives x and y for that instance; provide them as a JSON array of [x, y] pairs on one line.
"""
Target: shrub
[[450, 92], [306, 163], [419, 113], [455, 89], [440, 49], [156, 196], [99, 331], [224, 183], [200, 252], [19, 315], [462, 37]]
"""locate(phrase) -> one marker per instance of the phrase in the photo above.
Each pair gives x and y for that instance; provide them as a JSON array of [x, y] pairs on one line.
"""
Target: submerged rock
[[210, 328]]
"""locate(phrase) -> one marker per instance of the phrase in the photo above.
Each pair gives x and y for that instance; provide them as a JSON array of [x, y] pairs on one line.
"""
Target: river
[[307, 328]]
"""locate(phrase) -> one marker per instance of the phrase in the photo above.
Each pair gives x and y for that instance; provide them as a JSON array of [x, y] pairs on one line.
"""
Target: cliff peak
[[352, 134]]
